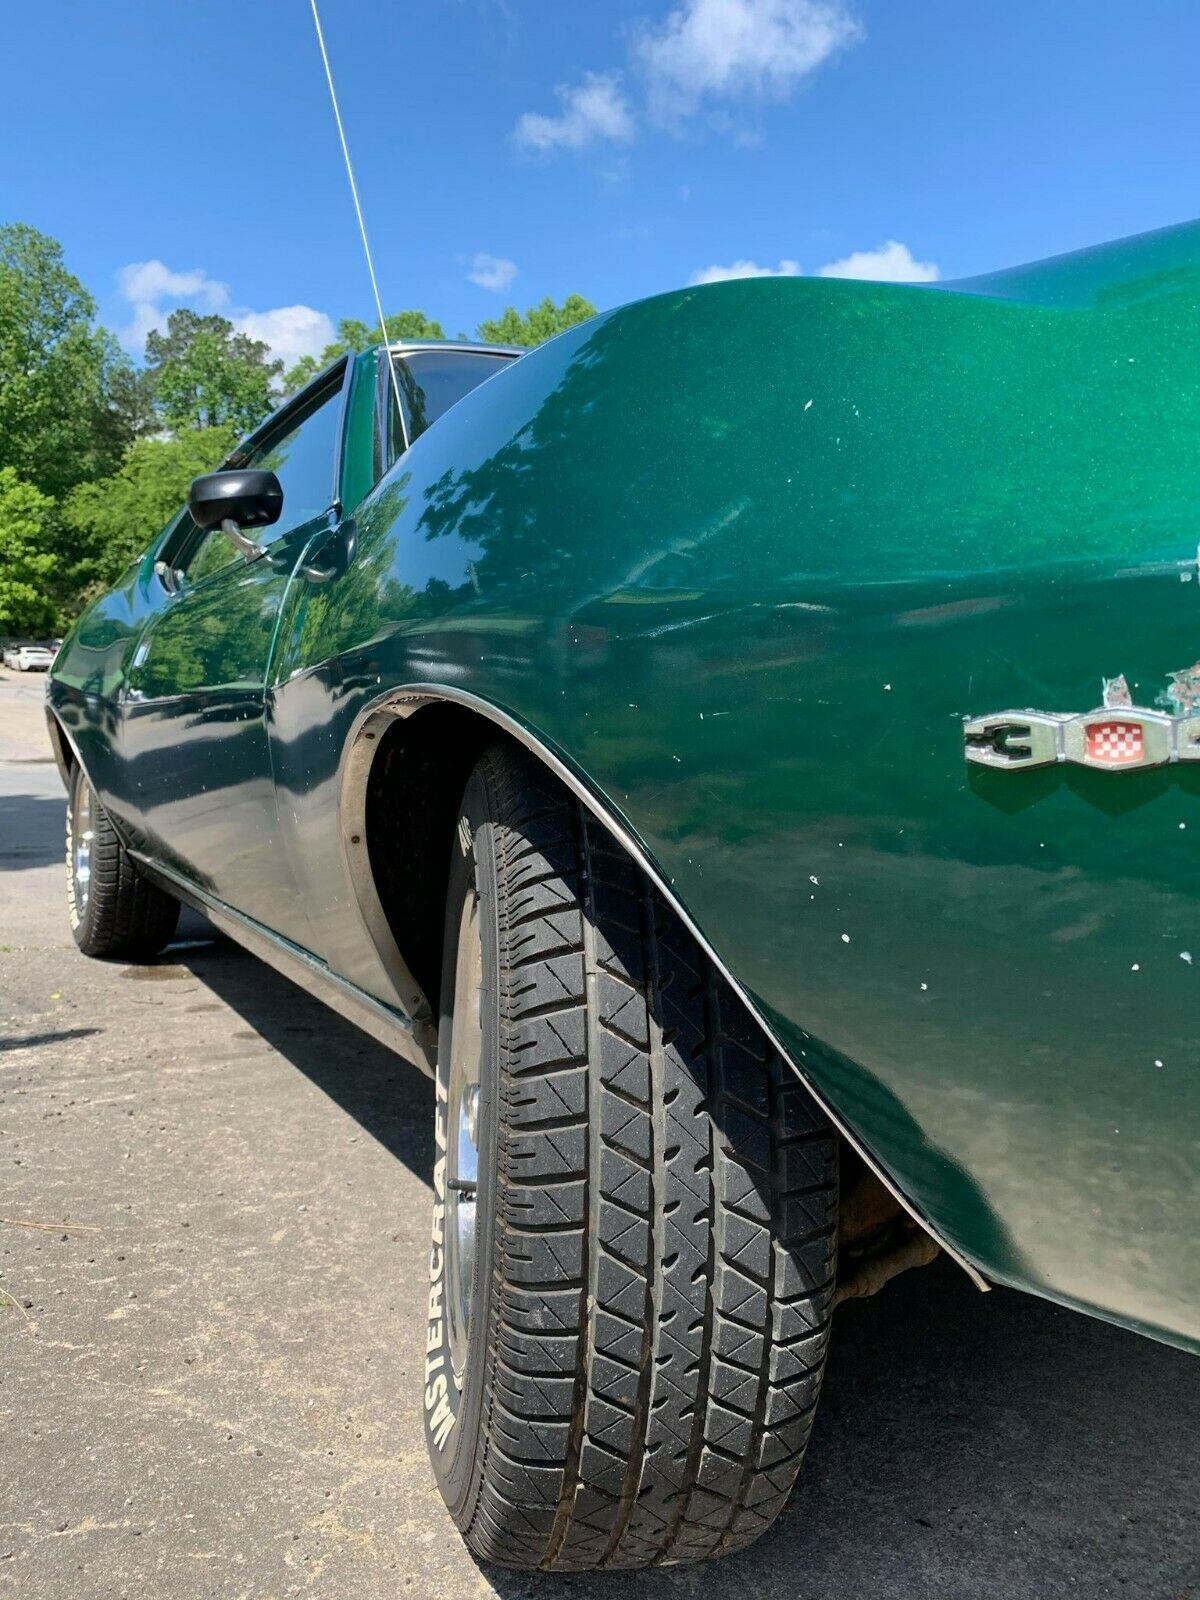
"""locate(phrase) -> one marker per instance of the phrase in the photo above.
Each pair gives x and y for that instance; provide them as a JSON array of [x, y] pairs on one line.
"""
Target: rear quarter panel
[[745, 557]]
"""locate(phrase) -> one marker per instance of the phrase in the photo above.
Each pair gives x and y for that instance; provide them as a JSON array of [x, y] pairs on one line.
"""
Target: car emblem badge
[[1106, 739], [1114, 744]]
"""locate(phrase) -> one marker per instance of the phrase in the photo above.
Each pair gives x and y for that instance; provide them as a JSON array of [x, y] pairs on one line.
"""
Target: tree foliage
[[357, 336], [539, 323], [202, 374], [27, 565], [68, 404], [110, 522], [96, 454], [524, 329]]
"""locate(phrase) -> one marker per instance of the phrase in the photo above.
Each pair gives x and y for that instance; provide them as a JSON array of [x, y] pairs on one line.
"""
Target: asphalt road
[[212, 1262]]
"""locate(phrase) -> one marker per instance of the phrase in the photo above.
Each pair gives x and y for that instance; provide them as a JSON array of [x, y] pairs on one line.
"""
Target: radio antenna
[[362, 227]]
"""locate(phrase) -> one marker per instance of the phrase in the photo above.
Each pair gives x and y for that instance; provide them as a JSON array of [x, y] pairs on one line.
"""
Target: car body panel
[[193, 708], [743, 558]]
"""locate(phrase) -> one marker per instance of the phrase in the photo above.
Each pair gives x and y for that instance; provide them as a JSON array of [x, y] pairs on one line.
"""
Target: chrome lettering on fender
[[441, 1418], [1111, 738]]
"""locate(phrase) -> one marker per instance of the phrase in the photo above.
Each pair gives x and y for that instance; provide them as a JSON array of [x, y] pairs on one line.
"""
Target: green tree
[[27, 563], [69, 402], [358, 336], [539, 323], [129, 412], [110, 522], [201, 374]]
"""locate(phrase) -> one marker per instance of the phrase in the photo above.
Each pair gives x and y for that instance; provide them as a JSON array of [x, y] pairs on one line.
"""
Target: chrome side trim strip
[[417, 1043], [409, 698]]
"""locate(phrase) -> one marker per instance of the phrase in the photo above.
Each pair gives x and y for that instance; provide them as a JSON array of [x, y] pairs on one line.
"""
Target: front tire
[[634, 1213], [116, 912]]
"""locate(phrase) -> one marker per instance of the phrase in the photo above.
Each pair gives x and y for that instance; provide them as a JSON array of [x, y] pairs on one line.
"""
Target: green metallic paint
[[744, 557]]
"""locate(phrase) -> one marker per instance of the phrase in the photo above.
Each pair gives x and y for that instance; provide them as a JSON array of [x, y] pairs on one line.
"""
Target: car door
[[193, 736], [308, 723]]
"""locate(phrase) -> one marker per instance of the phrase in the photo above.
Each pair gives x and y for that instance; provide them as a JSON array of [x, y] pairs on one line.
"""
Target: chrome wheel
[[462, 1153], [82, 835]]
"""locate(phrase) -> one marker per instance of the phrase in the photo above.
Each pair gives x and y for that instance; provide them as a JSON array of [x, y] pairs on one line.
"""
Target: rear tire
[[116, 912], [629, 1312]]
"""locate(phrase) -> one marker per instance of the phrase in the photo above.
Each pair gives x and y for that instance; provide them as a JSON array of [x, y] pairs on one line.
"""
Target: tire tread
[[127, 917], [666, 1228]]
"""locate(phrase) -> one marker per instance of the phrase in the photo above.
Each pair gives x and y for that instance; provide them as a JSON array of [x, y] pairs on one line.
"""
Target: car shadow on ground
[[390, 1099], [966, 1444], [31, 831]]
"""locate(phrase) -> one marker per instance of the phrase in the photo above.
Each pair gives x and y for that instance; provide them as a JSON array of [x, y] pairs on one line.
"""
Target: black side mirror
[[245, 495]]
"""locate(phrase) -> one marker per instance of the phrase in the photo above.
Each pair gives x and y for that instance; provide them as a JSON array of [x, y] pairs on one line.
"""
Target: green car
[[746, 750]]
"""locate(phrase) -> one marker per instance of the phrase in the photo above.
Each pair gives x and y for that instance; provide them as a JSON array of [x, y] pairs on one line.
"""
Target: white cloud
[[144, 317], [704, 52], [153, 290], [147, 282], [492, 272], [746, 269], [738, 49], [289, 331], [593, 110], [146, 285], [892, 263]]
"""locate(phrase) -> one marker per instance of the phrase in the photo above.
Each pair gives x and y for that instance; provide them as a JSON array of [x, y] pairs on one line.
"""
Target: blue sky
[[185, 153]]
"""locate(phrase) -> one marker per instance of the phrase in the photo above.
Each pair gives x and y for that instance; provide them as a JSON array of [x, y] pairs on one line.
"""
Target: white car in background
[[29, 657]]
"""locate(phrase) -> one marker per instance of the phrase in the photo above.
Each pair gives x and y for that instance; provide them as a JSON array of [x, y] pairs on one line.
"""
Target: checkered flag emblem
[[1115, 743]]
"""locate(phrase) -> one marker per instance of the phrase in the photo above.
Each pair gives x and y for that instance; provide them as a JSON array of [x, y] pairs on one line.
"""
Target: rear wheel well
[[414, 789]]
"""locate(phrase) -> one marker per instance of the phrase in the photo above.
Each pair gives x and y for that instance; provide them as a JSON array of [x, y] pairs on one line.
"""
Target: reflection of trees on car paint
[[850, 429], [221, 637], [361, 601], [635, 524]]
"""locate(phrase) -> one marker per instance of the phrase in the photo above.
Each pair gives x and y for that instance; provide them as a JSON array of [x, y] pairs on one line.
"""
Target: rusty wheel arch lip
[[358, 753], [357, 760]]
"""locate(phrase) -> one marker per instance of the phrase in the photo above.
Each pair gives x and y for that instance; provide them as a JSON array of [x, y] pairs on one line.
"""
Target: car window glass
[[430, 382], [302, 458]]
